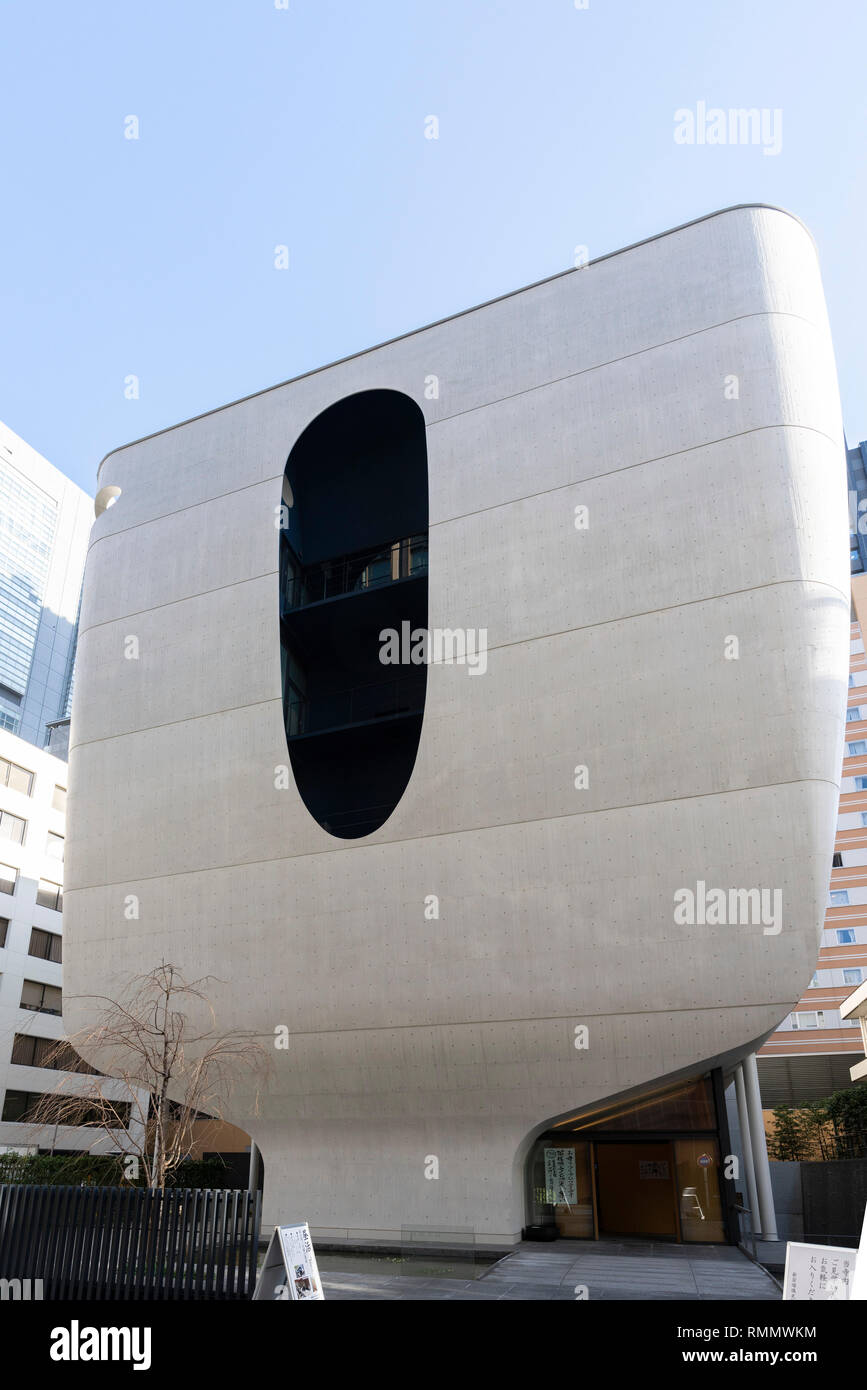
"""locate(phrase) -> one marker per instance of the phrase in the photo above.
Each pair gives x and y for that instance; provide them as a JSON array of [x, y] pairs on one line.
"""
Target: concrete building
[[45, 524], [812, 1052], [515, 916]]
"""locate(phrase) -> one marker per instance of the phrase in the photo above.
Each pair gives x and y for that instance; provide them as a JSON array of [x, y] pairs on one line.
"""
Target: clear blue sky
[[261, 126]]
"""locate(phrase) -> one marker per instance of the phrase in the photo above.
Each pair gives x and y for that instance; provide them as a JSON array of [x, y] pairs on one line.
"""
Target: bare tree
[[161, 1070]]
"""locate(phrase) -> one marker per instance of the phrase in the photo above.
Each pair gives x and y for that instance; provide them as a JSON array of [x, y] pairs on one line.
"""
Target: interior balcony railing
[[351, 574], [361, 704]]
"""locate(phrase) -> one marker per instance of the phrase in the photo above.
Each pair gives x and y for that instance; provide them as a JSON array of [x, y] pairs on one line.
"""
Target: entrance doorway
[[651, 1167], [635, 1190]]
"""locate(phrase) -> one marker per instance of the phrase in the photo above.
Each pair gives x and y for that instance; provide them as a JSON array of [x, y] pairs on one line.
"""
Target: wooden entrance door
[[636, 1190]]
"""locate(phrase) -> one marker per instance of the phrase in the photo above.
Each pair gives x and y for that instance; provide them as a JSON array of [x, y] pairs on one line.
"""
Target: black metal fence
[[130, 1243]]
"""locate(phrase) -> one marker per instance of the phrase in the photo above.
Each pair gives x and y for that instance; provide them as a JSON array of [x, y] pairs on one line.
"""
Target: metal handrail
[[360, 704], [353, 573], [746, 1237]]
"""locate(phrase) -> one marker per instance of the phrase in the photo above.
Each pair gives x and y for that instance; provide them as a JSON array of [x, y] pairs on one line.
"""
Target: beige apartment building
[[811, 1053]]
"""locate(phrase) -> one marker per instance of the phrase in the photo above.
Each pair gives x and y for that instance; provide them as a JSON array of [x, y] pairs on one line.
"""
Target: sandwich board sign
[[817, 1273], [290, 1271], [859, 1283]]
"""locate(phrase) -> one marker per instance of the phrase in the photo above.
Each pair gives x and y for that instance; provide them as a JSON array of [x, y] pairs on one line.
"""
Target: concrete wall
[[710, 517], [788, 1200], [821, 1202]]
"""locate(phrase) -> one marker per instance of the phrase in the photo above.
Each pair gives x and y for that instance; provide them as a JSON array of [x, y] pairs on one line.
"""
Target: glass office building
[[44, 526]]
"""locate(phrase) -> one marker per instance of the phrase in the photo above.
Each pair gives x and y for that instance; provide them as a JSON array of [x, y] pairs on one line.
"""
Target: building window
[[18, 779], [17, 1105], [808, 1018], [31, 1051], [837, 861], [58, 801], [853, 976], [839, 896], [54, 846], [46, 945], [857, 747], [41, 999], [8, 878], [851, 679], [814, 983], [864, 817], [25, 1106], [4, 927], [49, 894], [853, 713], [861, 784], [12, 827], [845, 936]]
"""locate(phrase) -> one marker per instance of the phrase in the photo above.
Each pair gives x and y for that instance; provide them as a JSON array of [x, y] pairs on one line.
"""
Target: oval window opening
[[353, 590]]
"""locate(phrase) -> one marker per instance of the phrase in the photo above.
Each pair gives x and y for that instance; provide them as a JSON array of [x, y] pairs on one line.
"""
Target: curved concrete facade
[[714, 512]]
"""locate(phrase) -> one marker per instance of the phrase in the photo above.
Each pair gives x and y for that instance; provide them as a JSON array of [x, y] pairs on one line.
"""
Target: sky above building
[[204, 199]]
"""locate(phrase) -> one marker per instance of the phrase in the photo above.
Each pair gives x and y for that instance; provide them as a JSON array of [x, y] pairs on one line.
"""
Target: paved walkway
[[642, 1270]]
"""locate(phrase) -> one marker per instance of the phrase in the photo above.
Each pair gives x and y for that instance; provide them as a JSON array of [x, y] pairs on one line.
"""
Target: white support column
[[747, 1150], [760, 1149]]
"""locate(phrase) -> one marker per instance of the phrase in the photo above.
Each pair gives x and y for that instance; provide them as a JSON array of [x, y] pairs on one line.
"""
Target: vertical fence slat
[[220, 1290], [42, 1219], [160, 1245], [60, 1243], [243, 1254], [190, 1244], [202, 1243], [112, 1244], [19, 1217], [210, 1281], [176, 1257], [256, 1218], [237, 1274], [131, 1245]]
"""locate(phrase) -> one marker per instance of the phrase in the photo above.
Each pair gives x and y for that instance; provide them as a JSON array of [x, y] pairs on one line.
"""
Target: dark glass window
[[31, 1051], [15, 777], [40, 998], [49, 894], [45, 944]]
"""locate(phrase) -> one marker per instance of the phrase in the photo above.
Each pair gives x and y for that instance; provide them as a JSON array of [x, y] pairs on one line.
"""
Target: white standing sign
[[290, 1271], [816, 1273]]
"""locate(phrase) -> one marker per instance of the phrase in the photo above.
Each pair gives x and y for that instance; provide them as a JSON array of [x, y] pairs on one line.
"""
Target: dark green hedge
[[102, 1170]]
